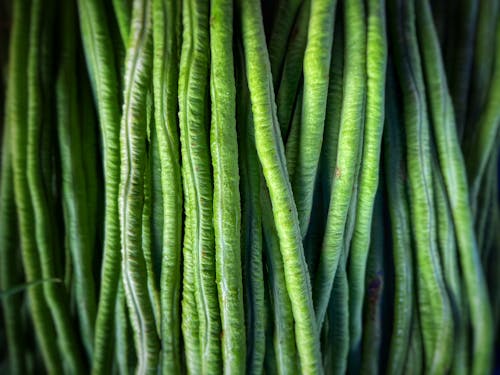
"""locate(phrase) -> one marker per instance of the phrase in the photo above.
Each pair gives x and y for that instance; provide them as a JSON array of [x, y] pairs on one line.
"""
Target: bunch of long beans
[[286, 186]]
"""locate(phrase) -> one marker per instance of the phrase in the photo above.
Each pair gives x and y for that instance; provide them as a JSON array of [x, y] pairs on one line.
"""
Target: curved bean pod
[[349, 142], [317, 57], [271, 154], [99, 53], [434, 306], [452, 166], [376, 61], [166, 39], [131, 193], [197, 180], [226, 200]]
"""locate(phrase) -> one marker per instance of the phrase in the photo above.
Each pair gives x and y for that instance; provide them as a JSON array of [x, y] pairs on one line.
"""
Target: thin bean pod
[[454, 175], [166, 41], [349, 142], [271, 154]]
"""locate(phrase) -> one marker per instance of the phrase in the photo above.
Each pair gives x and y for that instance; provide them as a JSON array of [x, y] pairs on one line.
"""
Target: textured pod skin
[[166, 39], [317, 57], [132, 195], [376, 61], [349, 142], [226, 201], [199, 247], [100, 57], [271, 154]]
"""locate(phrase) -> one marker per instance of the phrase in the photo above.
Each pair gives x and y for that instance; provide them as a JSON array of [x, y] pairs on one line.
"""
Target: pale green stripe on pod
[[197, 183], [166, 42], [454, 176], [376, 61], [226, 198], [99, 54], [133, 136], [317, 57], [349, 142], [271, 154]]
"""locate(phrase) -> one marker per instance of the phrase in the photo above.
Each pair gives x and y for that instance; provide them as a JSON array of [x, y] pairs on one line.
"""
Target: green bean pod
[[10, 274], [395, 182], [39, 169], [197, 179], [99, 54], [317, 57], [132, 197], [449, 260], [434, 306], [375, 290], [74, 178], [123, 14], [271, 154], [226, 199], [281, 29], [454, 175], [348, 150], [293, 139], [376, 61], [123, 334], [289, 82], [17, 122], [166, 40]]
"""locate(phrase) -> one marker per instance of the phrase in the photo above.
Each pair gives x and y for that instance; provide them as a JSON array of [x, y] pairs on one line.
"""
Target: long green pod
[[133, 136], [38, 158], [461, 59], [289, 82], [397, 201], [483, 140], [349, 142], [281, 29], [292, 141], [10, 274], [166, 41], [415, 359], [251, 226], [454, 175], [375, 293], [123, 14], [197, 179], [376, 61], [433, 303], [283, 334], [449, 260], [17, 122], [99, 54], [123, 334], [482, 64], [74, 181], [338, 320], [226, 201], [317, 58], [271, 154]]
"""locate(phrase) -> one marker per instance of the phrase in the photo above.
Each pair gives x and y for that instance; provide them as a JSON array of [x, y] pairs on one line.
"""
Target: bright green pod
[[376, 61], [226, 198], [271, 154], [132, 195], [101, 60], [199, 243], [348, 153]]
